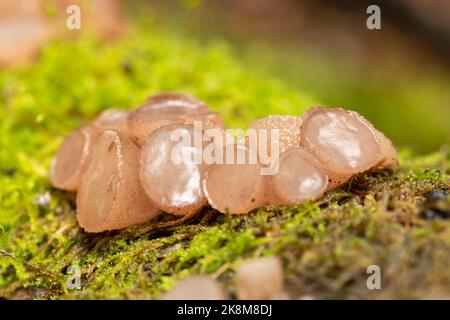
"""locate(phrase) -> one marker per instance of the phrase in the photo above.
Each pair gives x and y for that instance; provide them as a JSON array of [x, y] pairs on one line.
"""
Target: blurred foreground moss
[[326, 247]]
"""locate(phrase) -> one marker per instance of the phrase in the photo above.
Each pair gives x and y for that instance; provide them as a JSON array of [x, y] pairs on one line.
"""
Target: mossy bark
[[326, 247], [378, 218]]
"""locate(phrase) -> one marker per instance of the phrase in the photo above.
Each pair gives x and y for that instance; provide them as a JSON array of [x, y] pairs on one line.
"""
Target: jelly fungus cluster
[[124, 170]]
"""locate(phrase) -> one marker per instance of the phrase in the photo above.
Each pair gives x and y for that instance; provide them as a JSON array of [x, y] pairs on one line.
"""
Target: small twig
[[37, 269], [221, 270]]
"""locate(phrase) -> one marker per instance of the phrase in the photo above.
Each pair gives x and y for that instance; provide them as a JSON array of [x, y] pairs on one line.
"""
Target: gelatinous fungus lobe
[[300, 177], [110, 195], [166, 109], [389, 154], [129, 166], [72, 155], [343, 141], [236, 185], [288, 132], [172, 168], [197, 287], [271, 136], [260, 278], [173, 100], [112, 119]]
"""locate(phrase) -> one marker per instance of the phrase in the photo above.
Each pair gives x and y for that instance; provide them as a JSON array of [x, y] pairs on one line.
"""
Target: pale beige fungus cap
[[110, 196], [172, 169], [73, 153], [300, 177], [342, 140], [236, 188]]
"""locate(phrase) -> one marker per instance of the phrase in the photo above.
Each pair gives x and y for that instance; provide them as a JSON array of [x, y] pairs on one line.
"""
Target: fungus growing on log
[[197, 287], [110, 195], [259, 279], [389, 154], [166, 109], [236, 186], [300, 177], [73, 153], [113, 119], [173, 101], [172, 169], [343, 141], [165, 156], [288, 128], [21, 36]]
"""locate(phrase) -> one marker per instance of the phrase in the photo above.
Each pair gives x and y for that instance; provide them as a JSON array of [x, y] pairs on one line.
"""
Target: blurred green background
[[398, 77]]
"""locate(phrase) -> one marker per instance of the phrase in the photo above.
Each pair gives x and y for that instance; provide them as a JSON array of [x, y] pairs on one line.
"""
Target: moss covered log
[[378, 218]]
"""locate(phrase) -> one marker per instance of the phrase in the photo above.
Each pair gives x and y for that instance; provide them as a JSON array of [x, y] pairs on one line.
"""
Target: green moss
[[326, 246]]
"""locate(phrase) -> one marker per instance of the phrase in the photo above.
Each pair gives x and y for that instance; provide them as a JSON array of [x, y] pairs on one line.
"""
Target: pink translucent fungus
[[21, 37], [237, 186], [288, 131], [73, 153], [343, 141], [113, 119], [300, 177], [197, 288], [165, 109], [260, 279], [389, 154], [172, 168], [110, 195], [165, 156], [174, 102]]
